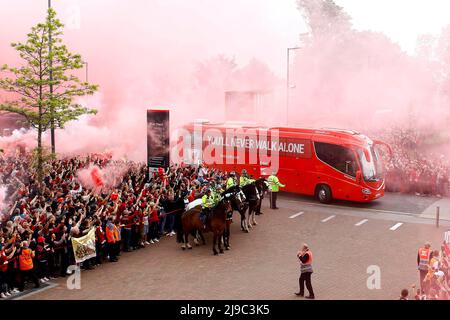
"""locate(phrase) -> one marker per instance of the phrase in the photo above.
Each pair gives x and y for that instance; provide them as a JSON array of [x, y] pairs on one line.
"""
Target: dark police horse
[[254, 193], [263, 186], [238, 203], [215, 223]]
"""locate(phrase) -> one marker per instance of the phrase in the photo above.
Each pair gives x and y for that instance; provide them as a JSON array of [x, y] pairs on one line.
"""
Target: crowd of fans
[[414, 166], [418, 176], [133, 212], [435, 283], [43, 216]]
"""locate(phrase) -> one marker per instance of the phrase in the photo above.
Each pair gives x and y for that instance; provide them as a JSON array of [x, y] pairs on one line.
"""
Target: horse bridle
[[240, 196], [226, 199]]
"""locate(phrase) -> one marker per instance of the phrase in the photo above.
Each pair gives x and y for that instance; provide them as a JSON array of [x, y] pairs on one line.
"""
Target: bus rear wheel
[[324, 194]]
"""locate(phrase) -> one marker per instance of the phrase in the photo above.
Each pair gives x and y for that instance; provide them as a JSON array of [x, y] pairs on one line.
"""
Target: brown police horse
[[215, 223]]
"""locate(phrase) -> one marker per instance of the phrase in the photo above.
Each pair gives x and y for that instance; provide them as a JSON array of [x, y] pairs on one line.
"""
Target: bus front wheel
[[324, 194]]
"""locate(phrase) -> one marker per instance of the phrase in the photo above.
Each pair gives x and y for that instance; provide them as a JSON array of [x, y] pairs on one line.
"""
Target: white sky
[[401, 20], [274, 26]]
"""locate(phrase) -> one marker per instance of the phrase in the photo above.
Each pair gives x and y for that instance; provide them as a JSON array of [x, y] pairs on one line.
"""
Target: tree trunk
[[39, 154]]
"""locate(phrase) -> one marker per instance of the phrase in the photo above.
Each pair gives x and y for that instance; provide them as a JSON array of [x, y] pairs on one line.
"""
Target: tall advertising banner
[[158, 140]]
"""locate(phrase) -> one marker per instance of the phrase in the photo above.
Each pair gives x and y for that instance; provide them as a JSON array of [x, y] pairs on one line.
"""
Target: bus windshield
[[371, 165]]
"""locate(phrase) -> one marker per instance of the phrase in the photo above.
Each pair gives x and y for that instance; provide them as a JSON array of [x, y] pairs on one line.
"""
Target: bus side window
[[338, 157]]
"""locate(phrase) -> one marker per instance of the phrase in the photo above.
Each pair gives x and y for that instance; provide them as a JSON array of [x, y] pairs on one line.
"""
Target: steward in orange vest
[[26, 266], [423, 260], [112, 238], [306, 258], [111, 232], [26, 259]]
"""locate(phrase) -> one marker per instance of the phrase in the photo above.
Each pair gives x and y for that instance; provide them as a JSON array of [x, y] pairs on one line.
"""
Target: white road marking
[[396, 226], [329, 218], [296, 215], [361, 222], [352, 208]]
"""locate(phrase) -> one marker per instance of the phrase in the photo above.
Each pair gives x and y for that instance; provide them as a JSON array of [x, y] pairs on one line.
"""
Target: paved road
[[346, 240], [395, 202]]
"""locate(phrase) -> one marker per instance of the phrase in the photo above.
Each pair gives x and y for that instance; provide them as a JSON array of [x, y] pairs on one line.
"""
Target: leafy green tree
[[30, 83], [325, 18]]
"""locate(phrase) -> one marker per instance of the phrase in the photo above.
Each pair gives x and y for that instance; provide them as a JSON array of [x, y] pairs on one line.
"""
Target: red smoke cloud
[[176, 55], [102, 179]]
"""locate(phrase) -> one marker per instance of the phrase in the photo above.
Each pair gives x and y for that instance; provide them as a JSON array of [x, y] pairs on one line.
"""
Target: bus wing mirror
[[378, 142], [358, 176]]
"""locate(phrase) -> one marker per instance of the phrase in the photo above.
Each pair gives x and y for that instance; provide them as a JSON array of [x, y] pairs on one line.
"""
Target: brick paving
[[263, 265]]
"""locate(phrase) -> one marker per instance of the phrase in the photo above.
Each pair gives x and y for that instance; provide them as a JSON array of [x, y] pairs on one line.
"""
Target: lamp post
[[287, 83], [87, 70]]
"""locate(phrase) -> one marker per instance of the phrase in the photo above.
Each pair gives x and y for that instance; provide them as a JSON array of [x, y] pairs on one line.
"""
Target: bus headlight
[[366, 191]]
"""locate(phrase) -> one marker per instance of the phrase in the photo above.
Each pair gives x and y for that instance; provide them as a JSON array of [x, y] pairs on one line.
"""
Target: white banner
[[84, 247]]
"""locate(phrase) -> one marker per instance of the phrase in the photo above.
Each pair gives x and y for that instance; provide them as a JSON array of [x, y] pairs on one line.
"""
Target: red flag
[[96, 177]]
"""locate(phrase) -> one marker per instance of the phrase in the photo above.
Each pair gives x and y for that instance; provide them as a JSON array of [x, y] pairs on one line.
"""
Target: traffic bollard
[[437, 217]]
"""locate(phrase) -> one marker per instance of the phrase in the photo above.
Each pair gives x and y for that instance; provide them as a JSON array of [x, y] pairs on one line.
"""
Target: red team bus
[[324, 163]]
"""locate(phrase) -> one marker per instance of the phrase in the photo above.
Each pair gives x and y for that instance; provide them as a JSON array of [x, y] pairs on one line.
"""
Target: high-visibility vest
[[274, 183], [424, 258], [216, 196], [243, 181], [25, 260], [230, 183], [116, 233], [310, 259], [307, 266], [110, 235], [207, 201]]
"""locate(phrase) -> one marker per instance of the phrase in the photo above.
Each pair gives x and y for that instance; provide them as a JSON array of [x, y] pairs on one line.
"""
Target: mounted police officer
[[244, 179], [231, 182], [207, 204], [216, 190]]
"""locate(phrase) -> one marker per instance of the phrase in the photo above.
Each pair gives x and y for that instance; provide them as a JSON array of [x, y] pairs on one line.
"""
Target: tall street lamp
[[87, 70], [287, 83]]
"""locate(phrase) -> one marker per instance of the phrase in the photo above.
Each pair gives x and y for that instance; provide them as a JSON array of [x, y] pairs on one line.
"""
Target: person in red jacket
[[100, 241], [4, 281], [153, 220]]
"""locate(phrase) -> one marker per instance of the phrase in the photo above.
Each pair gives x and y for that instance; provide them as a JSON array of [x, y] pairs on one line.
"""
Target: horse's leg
[[185, 238], [227, 244], [249, 222], [243, 225], [220, 236], [188, 245], [254, 217], [202, 237], [260, 205], [215, 236], [225, 240], [196, 238]]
